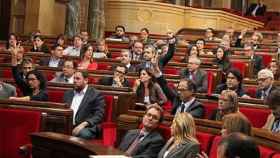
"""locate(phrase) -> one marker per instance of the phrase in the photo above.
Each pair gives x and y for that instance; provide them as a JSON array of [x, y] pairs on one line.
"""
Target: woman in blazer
[[183, 143]]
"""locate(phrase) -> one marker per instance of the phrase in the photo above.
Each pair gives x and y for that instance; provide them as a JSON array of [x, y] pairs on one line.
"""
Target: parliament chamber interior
[[140, 78]]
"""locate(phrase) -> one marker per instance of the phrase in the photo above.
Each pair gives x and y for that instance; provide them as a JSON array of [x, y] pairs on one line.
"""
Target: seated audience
[[193, 72], [226, 44], [126, 60], [137, 51], [145, 142], [233, 82], [119, 34], [265, 84], [183, 99], [183, 143], [254, 40], [84, 35], [118, 79], [86, 62], [209, 35], [147, 90], [39, 45], [256, 60], [256, 9], [236, 122], [20, 71], [76, 48], [88, 107], [61, 40], [274, 66], [145, 36], [273, 120], [222, 60], [14, 43], [7, 90], [132, 40], [67, 74], [227, 104], [102, 50], [16, 54], [37, 83], [236, 145], [56, 58], [200, 43], [192, 51]]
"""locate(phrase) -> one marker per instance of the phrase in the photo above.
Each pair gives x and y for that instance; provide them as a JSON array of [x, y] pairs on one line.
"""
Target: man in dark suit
[[118, 80], [193, 72], [39, 45], [183, 100], [55, 60], [256, 9], [67, 74], [126, 60], [137, 51], [145, 142], [256, 60], [88, 107], [265, 84]]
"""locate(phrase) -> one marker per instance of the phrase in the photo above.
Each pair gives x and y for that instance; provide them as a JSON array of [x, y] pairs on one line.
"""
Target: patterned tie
[[135, 143], [183, 107], [66, 80]]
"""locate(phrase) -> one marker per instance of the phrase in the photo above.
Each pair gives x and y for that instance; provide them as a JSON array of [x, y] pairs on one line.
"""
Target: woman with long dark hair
[[86, 61]]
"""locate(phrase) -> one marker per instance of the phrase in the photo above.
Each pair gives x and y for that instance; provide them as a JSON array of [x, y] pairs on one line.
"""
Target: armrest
[[25, 151]]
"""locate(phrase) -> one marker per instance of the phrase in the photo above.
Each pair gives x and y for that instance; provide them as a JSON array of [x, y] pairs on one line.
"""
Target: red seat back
[[266, 152], [55, 95], [165, 131], [7, 73], [209, 107], [172, 71], [214, 146], [205, 140], [256, 116], [15, 127], [241, 66], [109, 100], [276, 155]]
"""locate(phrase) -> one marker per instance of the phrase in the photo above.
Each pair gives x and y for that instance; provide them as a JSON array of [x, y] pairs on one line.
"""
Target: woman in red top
[[86, 61]]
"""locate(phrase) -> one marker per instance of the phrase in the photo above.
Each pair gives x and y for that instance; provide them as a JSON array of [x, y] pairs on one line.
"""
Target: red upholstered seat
[[266, 152], [255, 115], [167, 106], [172, 71], [251, 90], [109, 100], [205, 140], [7, 73], [276, 155], [49, 75], [165, 131], [266, 58], [209, 107], [55, 95], [214, 146], [15, 127], [103, 66], [241, 66]]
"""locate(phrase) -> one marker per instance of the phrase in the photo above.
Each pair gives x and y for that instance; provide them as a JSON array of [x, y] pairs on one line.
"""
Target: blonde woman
[[183, 143]]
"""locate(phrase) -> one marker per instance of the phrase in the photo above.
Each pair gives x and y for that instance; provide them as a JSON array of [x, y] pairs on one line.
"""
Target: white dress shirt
[[77, 100], [54, 62], [186, 105], [72, 51]]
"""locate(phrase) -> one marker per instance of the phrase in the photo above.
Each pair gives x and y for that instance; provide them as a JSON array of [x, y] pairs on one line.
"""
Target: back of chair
[[15, 127]]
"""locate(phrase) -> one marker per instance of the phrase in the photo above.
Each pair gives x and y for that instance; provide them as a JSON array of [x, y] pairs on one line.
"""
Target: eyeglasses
[[118, 71], [31, 79], [154, 117], [262, 79]]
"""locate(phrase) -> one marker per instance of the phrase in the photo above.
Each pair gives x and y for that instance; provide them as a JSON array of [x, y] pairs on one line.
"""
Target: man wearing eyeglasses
[[265, 83], [20, 71], [118, 79], [67, 74], [145, 142]]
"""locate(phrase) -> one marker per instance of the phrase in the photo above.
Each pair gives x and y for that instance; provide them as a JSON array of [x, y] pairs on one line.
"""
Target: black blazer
[[147, 148], [257, 64], [21, 82], [259, 91], [45, 62], [260, 11], [108, 81], [186, 149], [200, 80], [91, 108], [196, 109]]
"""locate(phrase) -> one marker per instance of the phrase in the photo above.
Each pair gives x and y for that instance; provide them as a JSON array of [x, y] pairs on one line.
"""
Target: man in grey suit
[[145, 142], [88, 107], [67, 76]]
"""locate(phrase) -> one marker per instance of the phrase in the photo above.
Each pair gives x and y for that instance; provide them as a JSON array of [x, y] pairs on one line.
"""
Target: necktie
[[275, 127], [183, 107], [135, 143], [66, 80]]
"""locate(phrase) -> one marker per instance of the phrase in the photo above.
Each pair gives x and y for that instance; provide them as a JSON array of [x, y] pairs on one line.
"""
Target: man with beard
[[88, 107], [273, 120]]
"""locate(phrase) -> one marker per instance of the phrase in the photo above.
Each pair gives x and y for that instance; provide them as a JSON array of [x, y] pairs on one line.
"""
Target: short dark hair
[[209, 28], [38, 36], [145, 29], [120, 26], [239, 145], [273, 98], [40, 77], [120, 65], [200, 39], [27, 60], [55, 46], [191, 85], [83, 72], [158, 108], [237, 74]]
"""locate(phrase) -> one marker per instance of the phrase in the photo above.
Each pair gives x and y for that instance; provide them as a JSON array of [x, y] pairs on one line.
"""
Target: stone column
[[96, 19], [72, 26]]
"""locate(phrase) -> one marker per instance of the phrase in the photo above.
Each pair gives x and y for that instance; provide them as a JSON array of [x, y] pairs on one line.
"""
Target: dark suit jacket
[[45, 62], [91, 108], [186, 149], [196, 109], [260, 11], [240, 92], [200, 79], [257, 64], [259, 91], [132, 68], [44, 48], [108, 81], [147, 148], [21, 82]]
